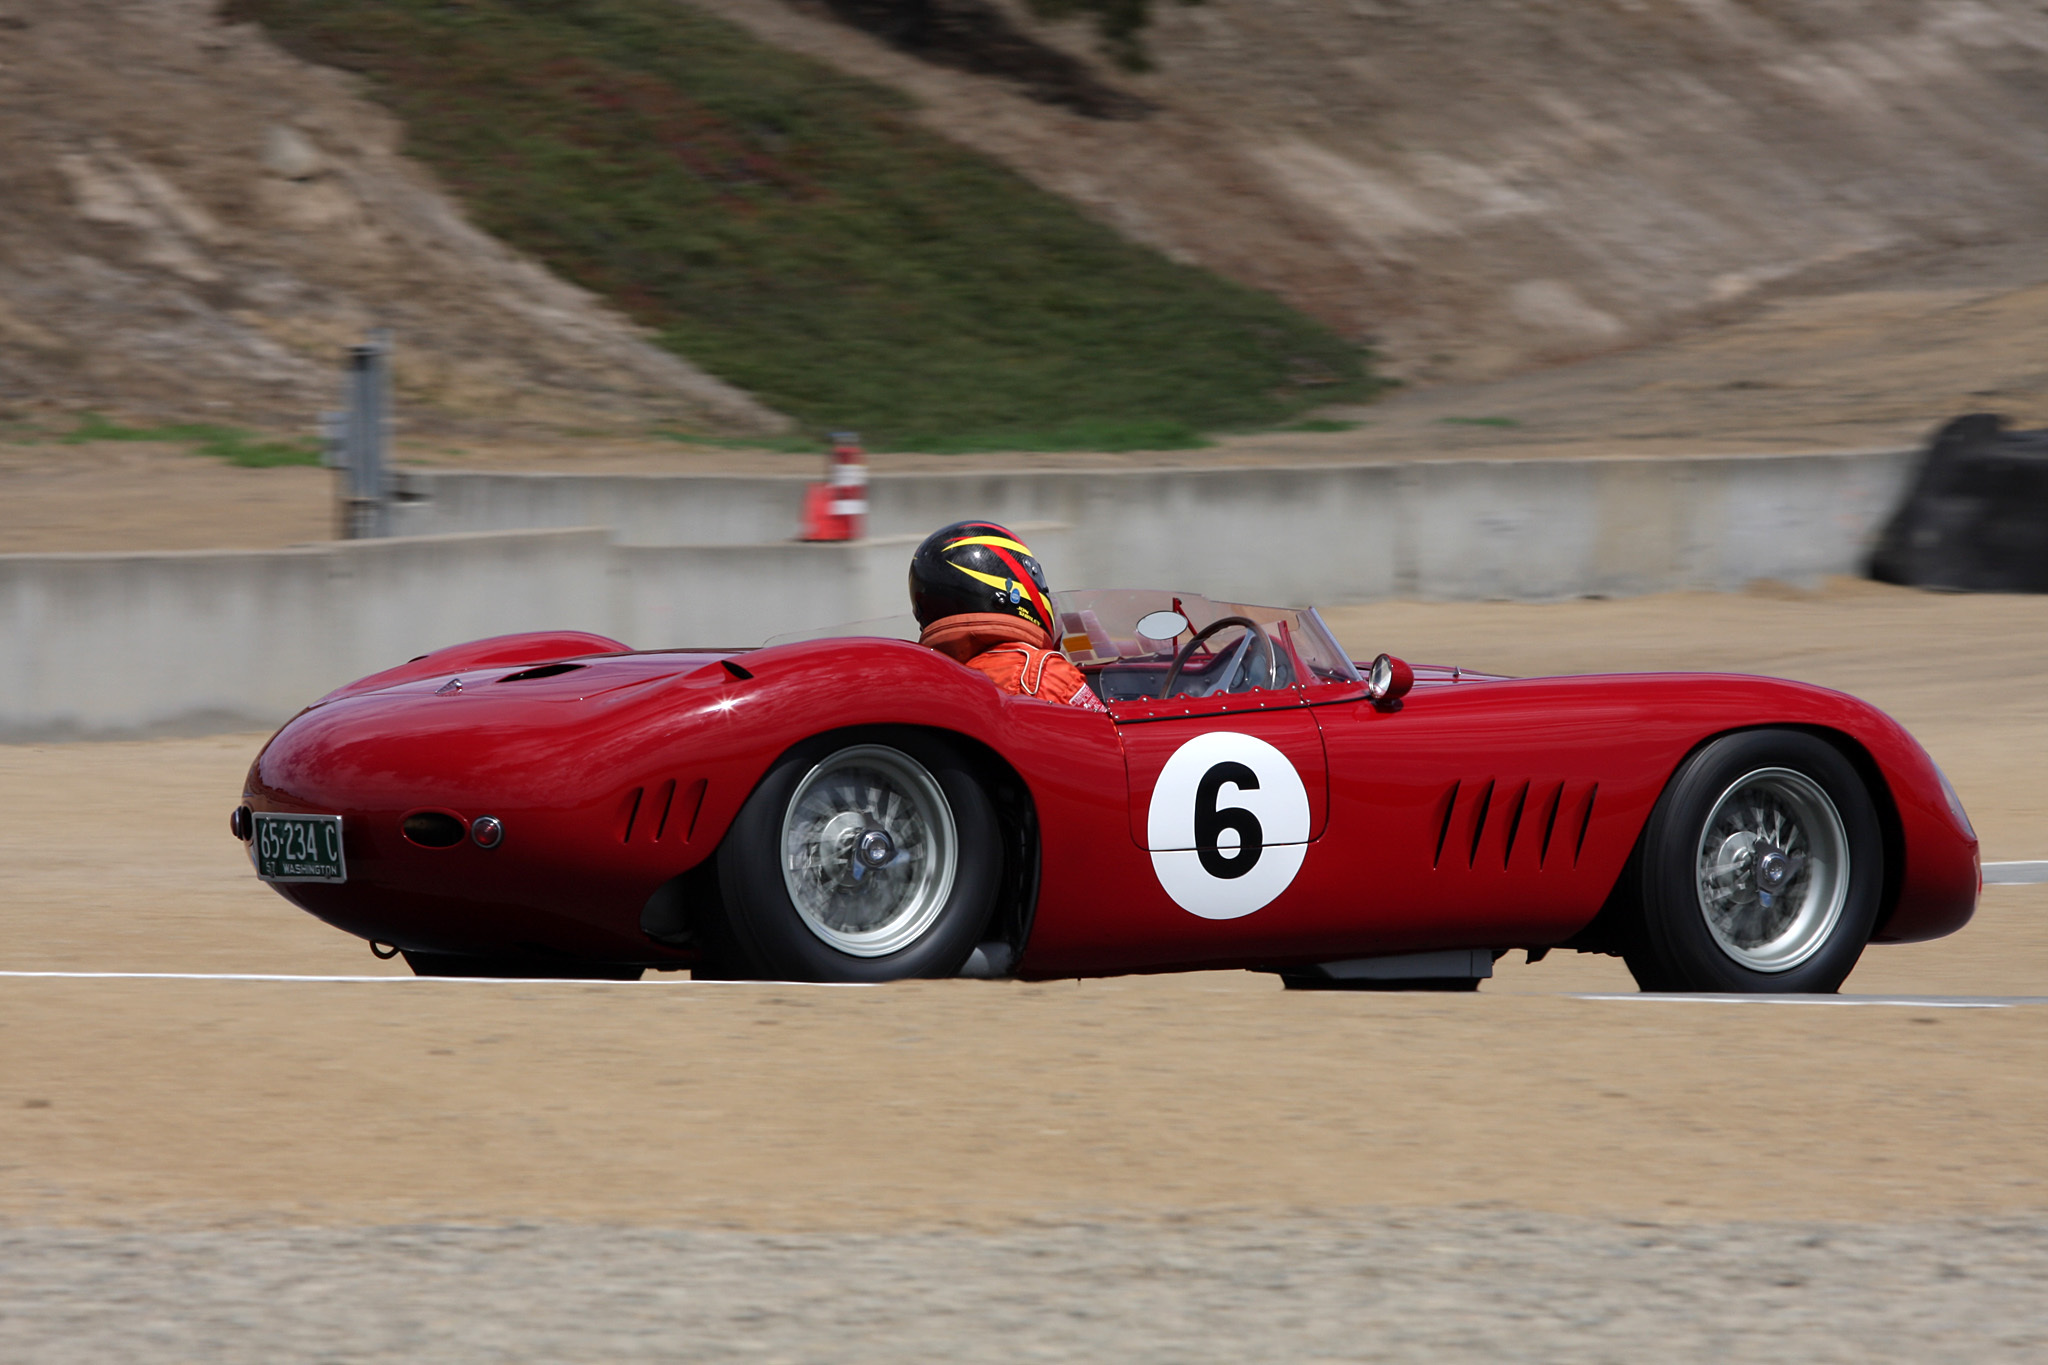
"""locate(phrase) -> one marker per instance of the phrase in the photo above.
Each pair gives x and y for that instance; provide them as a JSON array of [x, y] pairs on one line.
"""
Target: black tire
[[920, 913], [1708, 917]]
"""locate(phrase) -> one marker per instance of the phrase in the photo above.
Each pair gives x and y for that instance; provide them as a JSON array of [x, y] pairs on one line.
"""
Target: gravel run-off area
[[1443, 1286]]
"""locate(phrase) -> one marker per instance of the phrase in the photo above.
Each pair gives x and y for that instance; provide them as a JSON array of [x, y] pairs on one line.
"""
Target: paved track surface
[[1188, 1168]]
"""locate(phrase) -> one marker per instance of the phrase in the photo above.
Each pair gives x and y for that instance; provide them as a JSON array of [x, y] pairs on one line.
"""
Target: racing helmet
[[977, 566]]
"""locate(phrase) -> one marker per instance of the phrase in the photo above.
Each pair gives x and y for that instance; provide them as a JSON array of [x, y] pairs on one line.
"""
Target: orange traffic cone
[[838, 508]]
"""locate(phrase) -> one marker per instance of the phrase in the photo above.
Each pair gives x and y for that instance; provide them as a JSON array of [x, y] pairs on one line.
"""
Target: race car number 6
[[1228, 825]]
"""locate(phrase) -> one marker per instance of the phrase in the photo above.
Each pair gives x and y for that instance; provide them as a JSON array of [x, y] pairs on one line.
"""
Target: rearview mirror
[[1162, 625], [1388, 681]]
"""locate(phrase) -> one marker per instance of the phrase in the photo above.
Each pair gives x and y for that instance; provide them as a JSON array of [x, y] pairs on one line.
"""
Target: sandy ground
[[983, 1103]]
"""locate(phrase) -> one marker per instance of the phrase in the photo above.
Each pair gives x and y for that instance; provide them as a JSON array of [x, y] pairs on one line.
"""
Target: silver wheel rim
[[868, 850], [1773, 869]]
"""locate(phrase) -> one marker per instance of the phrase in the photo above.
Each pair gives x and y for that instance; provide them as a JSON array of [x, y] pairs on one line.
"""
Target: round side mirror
[[1389, 679], [1162, 625]]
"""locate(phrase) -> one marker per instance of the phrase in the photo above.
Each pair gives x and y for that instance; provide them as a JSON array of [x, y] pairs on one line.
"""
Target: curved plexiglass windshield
[[1104, 631]]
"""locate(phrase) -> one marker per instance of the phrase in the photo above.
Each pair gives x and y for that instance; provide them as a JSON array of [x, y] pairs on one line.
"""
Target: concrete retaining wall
[[154, 643], [640, 509], [142, 643], [1440, 529], [130, 644]]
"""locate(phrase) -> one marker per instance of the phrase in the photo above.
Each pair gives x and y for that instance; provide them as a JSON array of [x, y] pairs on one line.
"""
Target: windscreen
[[1104, 631]]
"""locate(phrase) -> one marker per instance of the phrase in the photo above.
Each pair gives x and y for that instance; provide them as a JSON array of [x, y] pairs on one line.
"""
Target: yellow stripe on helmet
[[996, 581], [999, 542]]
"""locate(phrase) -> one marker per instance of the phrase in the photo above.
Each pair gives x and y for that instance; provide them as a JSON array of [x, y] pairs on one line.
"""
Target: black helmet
[[976, 566]]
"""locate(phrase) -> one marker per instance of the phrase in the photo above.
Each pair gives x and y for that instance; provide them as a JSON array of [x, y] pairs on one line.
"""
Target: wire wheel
[[869, 850], [1772, 869]]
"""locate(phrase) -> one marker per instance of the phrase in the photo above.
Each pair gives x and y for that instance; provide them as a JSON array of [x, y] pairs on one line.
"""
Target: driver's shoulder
[[1024, 668]]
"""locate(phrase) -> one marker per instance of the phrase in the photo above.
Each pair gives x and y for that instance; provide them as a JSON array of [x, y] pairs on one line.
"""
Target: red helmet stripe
[[1030, 585]]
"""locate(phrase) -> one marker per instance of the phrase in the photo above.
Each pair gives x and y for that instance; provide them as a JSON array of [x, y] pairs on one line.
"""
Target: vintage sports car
[[862, 808]]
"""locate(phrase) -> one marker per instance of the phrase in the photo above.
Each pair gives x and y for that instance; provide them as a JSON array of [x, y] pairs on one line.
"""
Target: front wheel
[[1761, 870], [861, 862]]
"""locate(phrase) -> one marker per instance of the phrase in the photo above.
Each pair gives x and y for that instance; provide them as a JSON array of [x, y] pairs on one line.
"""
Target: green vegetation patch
[[796, 232], [222, 443]]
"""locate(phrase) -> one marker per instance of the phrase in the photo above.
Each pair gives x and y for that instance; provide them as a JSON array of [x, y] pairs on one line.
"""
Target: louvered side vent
[[1443, 833], [1517, 804], [1482, 804], [1550, 808], [665, 812], [663, 803], [1585, 823], [1546, 819], [689, 804]]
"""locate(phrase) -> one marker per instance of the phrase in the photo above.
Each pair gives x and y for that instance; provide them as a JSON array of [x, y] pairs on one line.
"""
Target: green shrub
[[222, 443], [796, 232]]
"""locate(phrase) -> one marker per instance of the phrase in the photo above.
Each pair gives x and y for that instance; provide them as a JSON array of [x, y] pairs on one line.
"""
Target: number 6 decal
[[1228, 825]]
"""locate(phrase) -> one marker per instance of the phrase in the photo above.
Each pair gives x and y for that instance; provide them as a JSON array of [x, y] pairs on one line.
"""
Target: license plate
[[299, 848]]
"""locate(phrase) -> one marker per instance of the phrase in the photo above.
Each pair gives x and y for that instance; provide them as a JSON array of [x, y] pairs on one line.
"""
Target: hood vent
[[544, 671]]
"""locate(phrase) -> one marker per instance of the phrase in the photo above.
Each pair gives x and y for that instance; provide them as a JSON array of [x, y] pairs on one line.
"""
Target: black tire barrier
[[1976, 518]]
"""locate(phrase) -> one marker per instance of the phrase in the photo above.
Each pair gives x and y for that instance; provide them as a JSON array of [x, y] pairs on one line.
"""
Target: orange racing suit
[[1015, 654]]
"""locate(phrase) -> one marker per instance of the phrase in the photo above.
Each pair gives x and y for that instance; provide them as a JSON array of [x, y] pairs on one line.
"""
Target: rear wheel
[[868, 861], [1761, 870]]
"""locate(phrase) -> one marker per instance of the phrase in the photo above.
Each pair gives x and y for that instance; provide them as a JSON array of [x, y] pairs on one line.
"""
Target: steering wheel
[[1186, 651]]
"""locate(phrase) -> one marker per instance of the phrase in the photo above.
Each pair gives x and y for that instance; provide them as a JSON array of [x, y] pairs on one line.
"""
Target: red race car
[[861, 808]]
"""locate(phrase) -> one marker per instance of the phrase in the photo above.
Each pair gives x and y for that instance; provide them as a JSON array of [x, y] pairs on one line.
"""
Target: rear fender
[[498, 651], [686, 902]]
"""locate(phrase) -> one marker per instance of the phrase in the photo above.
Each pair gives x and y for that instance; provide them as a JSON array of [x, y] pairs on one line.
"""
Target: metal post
[[334, 454], [362, 438]]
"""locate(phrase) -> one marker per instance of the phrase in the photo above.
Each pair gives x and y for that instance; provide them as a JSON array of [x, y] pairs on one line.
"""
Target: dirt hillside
[[195, 223], [1486, 186]]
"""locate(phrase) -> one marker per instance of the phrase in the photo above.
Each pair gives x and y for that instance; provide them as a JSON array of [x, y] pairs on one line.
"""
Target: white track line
[[1925, 1002], [1936, 1002], [459, 980], [2015, 874]]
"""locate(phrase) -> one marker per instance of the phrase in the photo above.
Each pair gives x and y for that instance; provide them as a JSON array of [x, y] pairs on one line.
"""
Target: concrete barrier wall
[[190, 642], [155, 643], [641, 509], [1440, 529], [147, 643]]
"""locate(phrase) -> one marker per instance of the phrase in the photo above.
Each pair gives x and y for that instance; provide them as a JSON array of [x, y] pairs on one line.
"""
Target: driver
[[981, 598]]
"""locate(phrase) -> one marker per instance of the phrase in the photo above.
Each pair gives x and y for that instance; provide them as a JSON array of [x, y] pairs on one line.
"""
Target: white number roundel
[[1228, 826]]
